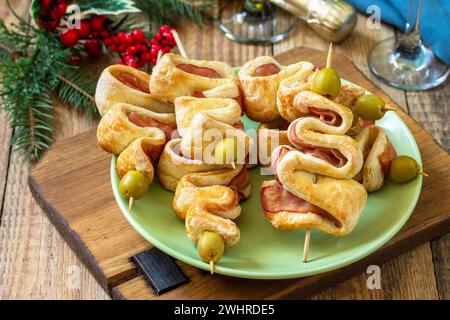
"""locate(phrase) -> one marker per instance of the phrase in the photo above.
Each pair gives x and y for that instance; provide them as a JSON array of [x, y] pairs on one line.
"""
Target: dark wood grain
[[106, 250]]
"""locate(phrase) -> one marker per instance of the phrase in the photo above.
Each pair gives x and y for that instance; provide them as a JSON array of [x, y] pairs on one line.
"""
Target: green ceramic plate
[[267, 253]]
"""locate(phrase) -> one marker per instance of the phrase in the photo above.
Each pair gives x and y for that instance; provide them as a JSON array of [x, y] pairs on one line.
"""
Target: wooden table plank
[[432, 110]]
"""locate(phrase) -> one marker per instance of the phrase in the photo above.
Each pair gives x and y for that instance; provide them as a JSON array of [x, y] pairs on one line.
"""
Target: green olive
[[404, 169], [326, 82], [226, 150], [370, 107], [133, 184], [210, 246]]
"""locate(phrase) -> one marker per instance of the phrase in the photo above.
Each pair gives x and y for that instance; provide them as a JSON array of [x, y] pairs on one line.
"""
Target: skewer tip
[[306, 246], [159, 56], [233, 165], [330, 50], [424, 174], [211, 266], [180, 46], [130, 204]]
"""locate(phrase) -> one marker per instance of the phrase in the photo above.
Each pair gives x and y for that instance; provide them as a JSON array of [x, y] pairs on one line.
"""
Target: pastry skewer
[[308, 230], [180, 46]]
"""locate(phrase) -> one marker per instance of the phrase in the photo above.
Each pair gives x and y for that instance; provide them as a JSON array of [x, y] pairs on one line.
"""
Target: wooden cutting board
[[72, 185]]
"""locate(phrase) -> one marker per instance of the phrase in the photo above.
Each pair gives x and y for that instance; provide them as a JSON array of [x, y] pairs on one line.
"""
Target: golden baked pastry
[[270, 136], [124, 123], [141, 155], [175, 76], [378, 153], [320, 137], [224, 110], [124, 84], [259, 80], [301, 199]]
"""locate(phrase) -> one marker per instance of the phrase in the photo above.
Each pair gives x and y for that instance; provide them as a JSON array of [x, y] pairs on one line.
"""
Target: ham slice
[[133, 82], [146, 121], [153, 152], [275, 198], [239, 125], [265, 70], [386, 158], [198, 94], [332, 156], [199, 71], [326, 116], [240, 182]]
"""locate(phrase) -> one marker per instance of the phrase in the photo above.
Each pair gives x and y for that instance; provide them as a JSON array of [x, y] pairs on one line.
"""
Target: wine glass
[[407, 63], [255, 22]]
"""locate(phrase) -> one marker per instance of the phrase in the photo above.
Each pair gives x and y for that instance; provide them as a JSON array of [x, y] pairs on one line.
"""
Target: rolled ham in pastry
[[223, 110], [124, 123], [303, 199], [124, 84], [141, 155], [270, 136], [378, 153], [259, 80], [175, 76]]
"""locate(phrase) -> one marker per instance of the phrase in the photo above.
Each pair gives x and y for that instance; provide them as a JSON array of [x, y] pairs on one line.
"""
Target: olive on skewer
[[404, 169], [226, 151], [210, 248], [371, 107], [133, 186]]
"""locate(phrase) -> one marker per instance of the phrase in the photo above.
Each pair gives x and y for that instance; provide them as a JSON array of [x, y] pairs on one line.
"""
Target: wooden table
[[36, 263]]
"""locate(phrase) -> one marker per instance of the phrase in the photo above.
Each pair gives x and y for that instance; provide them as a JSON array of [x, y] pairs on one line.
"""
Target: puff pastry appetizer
[[305, 199], [259, 80], [270, 136], [124, 123], [124, 84], [378, 153], [224, 110], [175, 76]]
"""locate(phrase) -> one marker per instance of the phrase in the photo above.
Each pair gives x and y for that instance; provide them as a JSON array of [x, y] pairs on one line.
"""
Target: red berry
[[104, 34], [119, 62], [142, 48], [69, 37], [60, 8], [128, 58], [85, 29], [121, 36], [166, 49], [108, 41], [46, 3], [128, 39], [132, 64], [138, 35], [132, 50], [146, 56], [48, 20], [154, 61], [140, 63], [113, 48], [97, 22], [93, 47], [94, 34], [164, 28], [121, 48]]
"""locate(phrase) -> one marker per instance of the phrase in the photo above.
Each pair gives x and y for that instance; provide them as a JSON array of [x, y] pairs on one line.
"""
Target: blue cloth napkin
[[434, 21]]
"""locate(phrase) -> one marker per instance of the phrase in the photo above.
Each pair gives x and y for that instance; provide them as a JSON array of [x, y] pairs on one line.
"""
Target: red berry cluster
[[51, 12], [91, 30], [135, 50]]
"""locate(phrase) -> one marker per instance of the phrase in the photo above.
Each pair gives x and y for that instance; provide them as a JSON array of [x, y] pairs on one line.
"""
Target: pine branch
[[78, 91]]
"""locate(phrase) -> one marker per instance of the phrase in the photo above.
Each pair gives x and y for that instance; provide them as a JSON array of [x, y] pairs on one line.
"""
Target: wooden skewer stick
[[306, 246], [130, 204], [389, 108], [159, 56], [329, 55], [179, 43], [424, 174], [211, 266], [233, 165]]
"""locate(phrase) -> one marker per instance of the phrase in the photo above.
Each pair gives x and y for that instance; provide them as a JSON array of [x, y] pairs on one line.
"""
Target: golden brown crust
[[260, 93], [372, 141], [268, 140], [115, 131], [344, 199], [134, 157], [168, 82], [111, 91], [226, 111]]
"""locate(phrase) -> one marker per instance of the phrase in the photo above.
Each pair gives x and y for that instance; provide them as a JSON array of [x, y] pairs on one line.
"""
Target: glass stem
[[410, 40]]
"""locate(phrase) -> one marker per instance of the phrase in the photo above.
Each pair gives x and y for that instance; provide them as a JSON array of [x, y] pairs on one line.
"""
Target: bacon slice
[[133, 82], [326, 116], [275, 198], [198, 94], [240, 182], [239, 125], [332, 156], [146, 121], [199, 71], [386, 158], [265, 70]]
